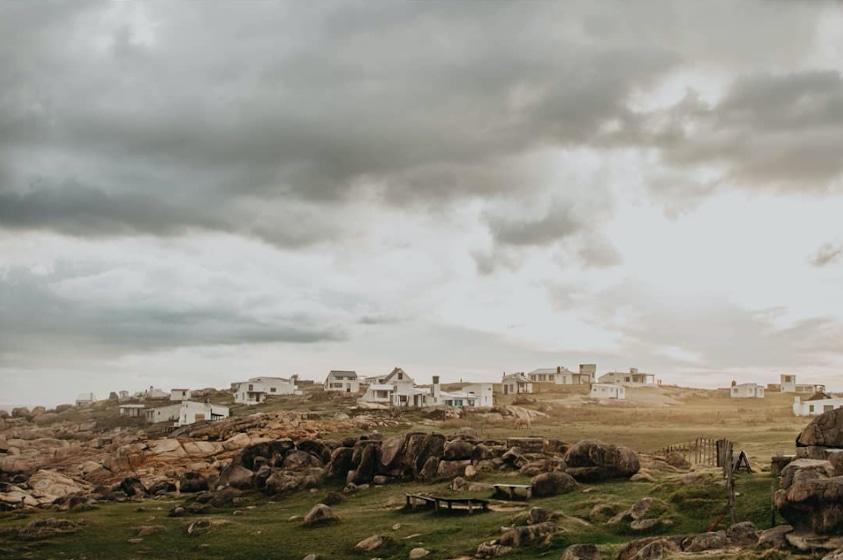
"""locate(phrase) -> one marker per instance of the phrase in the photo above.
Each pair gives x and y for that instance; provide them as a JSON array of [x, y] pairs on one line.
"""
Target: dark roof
[[348, 372]]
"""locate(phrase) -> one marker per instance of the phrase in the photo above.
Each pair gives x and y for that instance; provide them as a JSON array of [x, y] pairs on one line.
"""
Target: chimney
[[434, 389]]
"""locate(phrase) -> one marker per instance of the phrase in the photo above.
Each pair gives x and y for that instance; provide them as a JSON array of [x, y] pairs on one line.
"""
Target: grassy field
[[272, 529]]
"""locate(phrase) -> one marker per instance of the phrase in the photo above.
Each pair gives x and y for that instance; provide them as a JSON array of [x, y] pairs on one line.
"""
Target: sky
[[196, 193]]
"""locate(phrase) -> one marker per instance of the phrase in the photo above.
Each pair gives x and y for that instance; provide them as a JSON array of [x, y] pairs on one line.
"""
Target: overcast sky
[[193, 193]]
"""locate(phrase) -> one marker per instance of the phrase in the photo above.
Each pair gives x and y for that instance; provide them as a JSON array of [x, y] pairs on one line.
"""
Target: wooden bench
[[419, 501], [512, 491], [440, 504]]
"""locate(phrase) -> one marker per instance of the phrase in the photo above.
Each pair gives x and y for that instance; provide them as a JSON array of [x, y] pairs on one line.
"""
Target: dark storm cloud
[[84, 211], [34, 314], [771, 131], [410, 102]]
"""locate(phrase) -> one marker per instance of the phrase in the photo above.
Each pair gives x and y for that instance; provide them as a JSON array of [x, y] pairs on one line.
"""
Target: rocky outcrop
[[52, 485], [591, 460], [826, 430], [810, 496]]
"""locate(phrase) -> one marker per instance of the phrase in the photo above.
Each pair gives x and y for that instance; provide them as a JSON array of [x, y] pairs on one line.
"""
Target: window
[[272, 389], [400, 376]]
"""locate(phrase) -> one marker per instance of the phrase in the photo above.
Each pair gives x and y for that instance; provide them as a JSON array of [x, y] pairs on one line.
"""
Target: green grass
[[266, 531]]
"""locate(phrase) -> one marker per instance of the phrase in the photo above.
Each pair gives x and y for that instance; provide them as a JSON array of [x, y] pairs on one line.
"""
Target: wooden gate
[[703, 451]]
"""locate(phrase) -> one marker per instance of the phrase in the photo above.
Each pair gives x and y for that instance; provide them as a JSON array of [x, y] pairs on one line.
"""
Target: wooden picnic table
[[512, 491], [446, 504]]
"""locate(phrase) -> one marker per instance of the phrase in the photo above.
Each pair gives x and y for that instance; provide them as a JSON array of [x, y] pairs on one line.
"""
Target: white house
[[342, 381], [191, 412], [398, 389], [563, 376], [816, 405], [516, 384], [169, 413], [631, 377], [614, 391], [179, 394], [746, 391], [545, 375], [484, 393], [123, 395], [133, 410], [788, 384], [256, 389], [155, 393], [85, 399]]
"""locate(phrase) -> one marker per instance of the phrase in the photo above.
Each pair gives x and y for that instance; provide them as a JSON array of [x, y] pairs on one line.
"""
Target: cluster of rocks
[[284, 465], [810, 493]]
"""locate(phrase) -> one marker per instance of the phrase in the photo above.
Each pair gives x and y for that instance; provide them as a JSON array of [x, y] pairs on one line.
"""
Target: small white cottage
[[256, 389], [155, 393], [516, 384], [746, 391], [816, 405], [484, 393], [631, 377], [169, 413], [342, 381], [85, 399], [191, 412], [611, 391]]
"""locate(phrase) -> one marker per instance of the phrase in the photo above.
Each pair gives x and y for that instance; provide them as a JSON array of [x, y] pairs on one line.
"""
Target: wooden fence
[[702, 451]]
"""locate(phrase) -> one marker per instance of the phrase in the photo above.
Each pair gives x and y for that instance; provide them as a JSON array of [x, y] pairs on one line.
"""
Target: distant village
[[397, 389]]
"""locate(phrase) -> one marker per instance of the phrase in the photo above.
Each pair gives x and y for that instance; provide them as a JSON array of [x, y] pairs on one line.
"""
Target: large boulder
[[341, 462], [273, 451], [237, 476], [591, 460], [810, 497], [282, 482], [429, 469], [458, 450], [581, 552], [364, 462], [826, 430], [132, 487], [297, 460], [315, 447], [192, 482], [450, 469], [419, 449], [552, 484], [391, 455]]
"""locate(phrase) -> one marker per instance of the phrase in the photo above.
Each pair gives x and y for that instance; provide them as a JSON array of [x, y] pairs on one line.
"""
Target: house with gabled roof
[[343, 381], [257, 389], [516, 384]]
